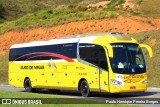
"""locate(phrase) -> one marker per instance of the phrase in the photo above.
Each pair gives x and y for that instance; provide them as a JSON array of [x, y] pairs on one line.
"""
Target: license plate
[[133, 87]]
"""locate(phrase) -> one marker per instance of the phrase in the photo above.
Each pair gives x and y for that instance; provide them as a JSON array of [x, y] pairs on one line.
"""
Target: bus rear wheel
[[28, 86], [84, 88]]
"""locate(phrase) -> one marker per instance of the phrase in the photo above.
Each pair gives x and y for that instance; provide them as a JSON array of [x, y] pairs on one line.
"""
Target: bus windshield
[[128, 59]]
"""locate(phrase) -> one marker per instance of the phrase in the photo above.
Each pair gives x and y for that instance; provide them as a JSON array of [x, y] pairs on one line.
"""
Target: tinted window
[[43, 52], [12, 55], [93, 54]]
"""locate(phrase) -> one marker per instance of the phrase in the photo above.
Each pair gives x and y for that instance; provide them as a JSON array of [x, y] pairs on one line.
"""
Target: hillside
[[13, 9], [72, 17], [150, 8], [21, 15], [119, 24], [62, 14], [151, 38]]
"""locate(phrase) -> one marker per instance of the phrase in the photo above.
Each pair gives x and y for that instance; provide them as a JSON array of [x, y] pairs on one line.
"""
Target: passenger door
[[95, 56], [103, 71]]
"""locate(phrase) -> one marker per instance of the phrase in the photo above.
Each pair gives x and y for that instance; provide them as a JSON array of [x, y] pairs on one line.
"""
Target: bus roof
[[116, 35], [84, 38]]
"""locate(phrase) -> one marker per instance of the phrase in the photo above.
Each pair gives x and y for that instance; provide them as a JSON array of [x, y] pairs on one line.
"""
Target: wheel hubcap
[[84, 88]]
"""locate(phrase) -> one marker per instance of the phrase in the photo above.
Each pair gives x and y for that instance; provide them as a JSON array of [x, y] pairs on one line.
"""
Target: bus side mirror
[[149, 49], [110, 50]]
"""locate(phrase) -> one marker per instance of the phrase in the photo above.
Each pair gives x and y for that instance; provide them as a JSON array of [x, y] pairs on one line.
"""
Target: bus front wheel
[[28, 86], [84, 88]]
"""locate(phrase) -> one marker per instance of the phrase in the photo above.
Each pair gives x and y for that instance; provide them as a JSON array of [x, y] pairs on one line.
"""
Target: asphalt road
[[150, 93]]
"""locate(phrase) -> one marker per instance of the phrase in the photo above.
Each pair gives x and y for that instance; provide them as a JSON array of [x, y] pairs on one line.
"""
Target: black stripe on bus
[[69, 50]]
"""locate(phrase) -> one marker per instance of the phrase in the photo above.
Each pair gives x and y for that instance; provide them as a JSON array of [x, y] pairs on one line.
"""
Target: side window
[[69, 50], [44, 52], [140, 58], [19, 54], [12, 55], [93, 54], [103, 60]]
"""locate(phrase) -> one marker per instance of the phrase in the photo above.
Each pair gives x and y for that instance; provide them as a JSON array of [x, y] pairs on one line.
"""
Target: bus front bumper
[[128, 88]]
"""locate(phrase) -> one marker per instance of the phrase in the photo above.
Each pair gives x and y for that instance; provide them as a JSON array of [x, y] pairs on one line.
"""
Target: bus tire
[[84, 88], [28, 86]]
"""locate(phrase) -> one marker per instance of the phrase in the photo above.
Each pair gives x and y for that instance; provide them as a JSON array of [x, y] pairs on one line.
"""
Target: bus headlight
[[115, 82], [145, 81]]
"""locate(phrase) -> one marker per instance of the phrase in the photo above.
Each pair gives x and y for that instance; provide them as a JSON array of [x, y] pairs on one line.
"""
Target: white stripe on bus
[[43, 61]]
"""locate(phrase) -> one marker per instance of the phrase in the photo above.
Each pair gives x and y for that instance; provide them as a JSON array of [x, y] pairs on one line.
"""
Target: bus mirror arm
[[110, 50], [149, 49]]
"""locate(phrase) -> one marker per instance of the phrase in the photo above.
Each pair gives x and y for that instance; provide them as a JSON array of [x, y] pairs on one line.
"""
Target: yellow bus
[[96, 62]]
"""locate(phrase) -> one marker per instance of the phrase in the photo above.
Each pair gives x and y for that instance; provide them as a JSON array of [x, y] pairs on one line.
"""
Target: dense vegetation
[[14, 9], [25, 14]]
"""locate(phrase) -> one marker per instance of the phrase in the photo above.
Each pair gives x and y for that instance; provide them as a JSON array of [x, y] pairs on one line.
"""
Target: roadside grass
[[73, 102], [10, 94]]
